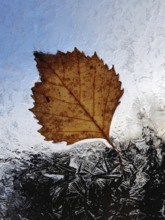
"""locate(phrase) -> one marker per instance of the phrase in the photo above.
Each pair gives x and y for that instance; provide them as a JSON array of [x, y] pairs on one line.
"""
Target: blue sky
[[126, 33]]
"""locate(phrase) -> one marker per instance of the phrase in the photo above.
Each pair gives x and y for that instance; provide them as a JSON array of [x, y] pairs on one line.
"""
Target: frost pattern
[[87, 182], [128, 34]]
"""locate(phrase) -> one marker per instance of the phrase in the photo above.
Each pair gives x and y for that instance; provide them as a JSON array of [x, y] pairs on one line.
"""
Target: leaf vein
[[70, 103], [81, 119]]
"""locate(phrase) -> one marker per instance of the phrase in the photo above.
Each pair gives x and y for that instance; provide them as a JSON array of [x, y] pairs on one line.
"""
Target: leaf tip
[[37, 54], [76, 49], [95, 55], [113, 67]]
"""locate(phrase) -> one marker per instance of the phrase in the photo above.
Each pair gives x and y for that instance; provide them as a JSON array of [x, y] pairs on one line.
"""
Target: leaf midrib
[[81, 105]]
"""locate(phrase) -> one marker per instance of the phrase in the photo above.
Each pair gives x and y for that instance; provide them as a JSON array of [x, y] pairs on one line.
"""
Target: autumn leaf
[[76, 98]]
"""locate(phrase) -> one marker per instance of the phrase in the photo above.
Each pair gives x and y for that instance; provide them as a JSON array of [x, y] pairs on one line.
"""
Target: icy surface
[[87, 182], [127, 33]]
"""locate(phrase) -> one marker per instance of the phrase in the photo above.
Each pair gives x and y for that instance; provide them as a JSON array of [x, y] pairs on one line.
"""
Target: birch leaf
[[76, 98]]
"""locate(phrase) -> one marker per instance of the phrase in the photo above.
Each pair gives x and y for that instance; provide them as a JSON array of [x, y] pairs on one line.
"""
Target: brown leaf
[[77, 96]]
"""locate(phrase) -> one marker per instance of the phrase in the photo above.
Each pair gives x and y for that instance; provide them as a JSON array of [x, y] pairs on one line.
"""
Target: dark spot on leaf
[[47, 99]]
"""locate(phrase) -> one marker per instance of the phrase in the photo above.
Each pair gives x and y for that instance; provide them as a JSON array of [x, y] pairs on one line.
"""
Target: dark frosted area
[[88, 183]]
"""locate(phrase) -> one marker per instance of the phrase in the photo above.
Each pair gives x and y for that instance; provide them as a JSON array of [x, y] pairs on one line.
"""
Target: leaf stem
[[118, 153]]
